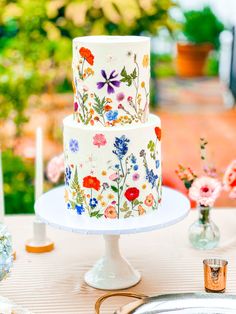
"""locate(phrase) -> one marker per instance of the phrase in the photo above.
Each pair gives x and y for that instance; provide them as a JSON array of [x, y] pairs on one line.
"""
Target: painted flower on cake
[[74, 145], [149, 201], [114, 176], [158, 133], [121, 146], [79, 209], [99, 140], [93, 202], [205, 191], [141, 210], [110, 212], [67, 175], [112, 115], [131, 194], [151, 177], [91, 183], [135, 176], [110, 81], [120, 96], [87, 55], [145, 62]]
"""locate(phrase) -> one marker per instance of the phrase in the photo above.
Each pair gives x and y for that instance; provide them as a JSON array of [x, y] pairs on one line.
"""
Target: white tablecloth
[[53, 282]]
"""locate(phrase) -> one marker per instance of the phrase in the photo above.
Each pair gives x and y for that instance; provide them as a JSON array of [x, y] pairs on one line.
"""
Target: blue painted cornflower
[[117, 166], [74, 145], [93, 202], [68, 205], [112, 115], [157, 163], [109, 81], [133, 159], [79, 208], [67, 175], [135, 167], [121, 146], [151, 177]]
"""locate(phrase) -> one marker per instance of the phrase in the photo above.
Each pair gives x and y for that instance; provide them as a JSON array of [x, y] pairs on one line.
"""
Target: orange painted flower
[[149, 200], [158, 132], [141, 210], [110, 212], [145, 61], [107, 108], [87, 55], [91, 183]]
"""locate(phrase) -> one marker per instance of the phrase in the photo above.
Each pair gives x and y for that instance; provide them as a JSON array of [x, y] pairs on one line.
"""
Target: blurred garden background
[[191, 71]]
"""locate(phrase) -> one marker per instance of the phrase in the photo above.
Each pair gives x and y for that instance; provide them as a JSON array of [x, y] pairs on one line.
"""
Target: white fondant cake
[[111, 79], [111, 144], [112, 172]]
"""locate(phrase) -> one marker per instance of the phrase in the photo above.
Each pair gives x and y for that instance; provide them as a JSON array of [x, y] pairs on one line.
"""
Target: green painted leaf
[[136, 202], [114, 188], [125, 207], [128, 214]]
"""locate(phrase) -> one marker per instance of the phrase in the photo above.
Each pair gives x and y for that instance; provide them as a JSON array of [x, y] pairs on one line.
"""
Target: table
[[48, 283]]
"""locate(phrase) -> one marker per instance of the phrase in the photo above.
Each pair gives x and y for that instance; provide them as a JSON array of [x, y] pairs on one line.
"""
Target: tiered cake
[[111, 143]]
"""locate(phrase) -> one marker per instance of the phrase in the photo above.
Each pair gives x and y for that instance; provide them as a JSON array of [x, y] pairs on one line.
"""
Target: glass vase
[[6, 258], [204, 233]]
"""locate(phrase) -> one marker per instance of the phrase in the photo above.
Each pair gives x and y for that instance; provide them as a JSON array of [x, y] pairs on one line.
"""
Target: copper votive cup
[[215, 271]]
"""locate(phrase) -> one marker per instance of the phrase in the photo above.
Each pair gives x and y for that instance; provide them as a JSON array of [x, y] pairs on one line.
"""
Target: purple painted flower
[[109, 81], [74, 145]]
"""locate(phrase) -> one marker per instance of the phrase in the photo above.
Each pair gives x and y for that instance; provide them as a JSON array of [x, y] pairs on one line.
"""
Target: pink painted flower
[[55, 168], [135, 176], [229, 180], [113, 176], [205, 191], [85, 88], [120, 106], [149, 201], [130, 98], [120, 96], [99, 140], [76, 106], [110, 212]]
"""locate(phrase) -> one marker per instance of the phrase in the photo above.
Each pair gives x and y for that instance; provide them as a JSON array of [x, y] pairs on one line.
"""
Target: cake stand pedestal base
[[112, 271]]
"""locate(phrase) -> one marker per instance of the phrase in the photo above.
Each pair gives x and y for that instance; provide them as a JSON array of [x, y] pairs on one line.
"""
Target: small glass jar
[[203, 233]]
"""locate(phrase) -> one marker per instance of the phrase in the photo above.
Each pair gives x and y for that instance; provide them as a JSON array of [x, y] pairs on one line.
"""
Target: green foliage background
[[35, 41]]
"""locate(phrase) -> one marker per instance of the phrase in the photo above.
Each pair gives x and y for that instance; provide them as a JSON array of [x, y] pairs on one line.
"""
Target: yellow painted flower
[[145, 61], [91, 111], [143, 84], [66, 196], [74, 194], [73, 87], [104, 204], [100, 197], [144, 186], [109, 100], [110, 196], [104, 173]]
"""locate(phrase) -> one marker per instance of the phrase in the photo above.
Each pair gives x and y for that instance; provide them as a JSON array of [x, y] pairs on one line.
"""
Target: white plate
[[50, 208]]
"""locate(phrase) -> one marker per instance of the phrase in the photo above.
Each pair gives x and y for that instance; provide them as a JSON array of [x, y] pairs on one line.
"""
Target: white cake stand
[[112, 271]]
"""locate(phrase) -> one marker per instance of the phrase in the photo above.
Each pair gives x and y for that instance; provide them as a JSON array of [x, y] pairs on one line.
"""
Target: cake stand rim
[[117, 230]]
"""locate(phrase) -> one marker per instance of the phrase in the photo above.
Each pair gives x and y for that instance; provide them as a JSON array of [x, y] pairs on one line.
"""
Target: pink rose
[[205, 191], [229, 180], [99, 140], [55, 168]]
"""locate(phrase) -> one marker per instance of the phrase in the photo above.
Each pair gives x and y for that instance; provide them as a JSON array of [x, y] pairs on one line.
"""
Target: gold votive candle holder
[[215, 273]]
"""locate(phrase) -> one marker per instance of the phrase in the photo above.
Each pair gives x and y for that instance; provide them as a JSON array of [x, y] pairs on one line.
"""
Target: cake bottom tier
[[112, 173]]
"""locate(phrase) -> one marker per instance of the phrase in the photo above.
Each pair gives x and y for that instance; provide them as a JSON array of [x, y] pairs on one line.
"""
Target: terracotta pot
[[191, 59]]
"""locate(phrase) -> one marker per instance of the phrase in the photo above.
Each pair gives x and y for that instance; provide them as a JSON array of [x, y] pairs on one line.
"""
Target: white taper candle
[[39, 164], [2, 207]]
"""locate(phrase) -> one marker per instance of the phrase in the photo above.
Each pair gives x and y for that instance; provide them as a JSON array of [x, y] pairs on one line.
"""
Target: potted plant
[[201, 30]]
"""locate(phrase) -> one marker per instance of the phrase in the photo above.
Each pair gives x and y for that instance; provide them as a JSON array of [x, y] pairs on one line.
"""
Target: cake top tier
[[111, 80]]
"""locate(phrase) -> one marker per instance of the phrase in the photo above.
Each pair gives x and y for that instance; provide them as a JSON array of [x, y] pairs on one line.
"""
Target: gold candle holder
[[215, 271]]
